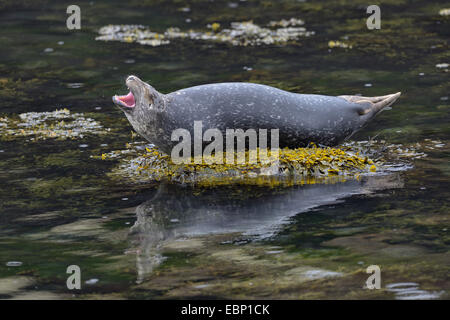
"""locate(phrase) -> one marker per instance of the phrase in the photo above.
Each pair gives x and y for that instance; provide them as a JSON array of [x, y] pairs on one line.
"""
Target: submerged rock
[[411, 291]]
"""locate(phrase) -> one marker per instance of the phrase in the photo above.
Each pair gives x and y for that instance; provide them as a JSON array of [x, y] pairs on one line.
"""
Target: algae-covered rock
[[144, 163], [339, 44], [244, 33], [301, 163], [444, 12], [58, 124]]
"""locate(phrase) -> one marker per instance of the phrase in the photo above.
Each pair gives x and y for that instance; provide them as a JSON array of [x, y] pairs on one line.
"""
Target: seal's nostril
[[131, 78]]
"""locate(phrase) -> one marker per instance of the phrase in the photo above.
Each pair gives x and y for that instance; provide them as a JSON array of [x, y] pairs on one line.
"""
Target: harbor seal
[[300, 118]]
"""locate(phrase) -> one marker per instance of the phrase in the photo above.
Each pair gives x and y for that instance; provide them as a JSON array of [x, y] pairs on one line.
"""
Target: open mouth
[[125, 101]]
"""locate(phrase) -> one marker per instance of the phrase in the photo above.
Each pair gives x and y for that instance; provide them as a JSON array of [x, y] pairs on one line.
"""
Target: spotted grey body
[[300, 118]]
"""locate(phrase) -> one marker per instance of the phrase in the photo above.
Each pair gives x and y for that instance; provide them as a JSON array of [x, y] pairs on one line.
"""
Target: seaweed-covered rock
[[144, 163], [59, 124], [244, 33], [444, 12]]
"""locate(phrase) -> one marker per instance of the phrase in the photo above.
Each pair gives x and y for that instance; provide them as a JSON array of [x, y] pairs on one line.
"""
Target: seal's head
[[141, 106], [142, 96]]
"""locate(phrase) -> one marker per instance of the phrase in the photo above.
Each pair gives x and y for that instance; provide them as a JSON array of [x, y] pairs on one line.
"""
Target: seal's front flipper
[[372, 104]]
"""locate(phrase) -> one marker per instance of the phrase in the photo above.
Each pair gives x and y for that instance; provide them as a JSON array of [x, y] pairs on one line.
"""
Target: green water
[[60, 207]]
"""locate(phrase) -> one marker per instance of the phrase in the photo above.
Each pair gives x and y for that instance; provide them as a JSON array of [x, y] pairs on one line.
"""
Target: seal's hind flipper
[[372, 104]]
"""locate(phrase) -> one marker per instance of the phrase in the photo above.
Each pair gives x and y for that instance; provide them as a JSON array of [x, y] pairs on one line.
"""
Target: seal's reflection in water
[[176, 212]]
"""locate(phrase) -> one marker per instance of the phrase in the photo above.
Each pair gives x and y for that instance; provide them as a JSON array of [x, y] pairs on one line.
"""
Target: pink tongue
[[128, 99]]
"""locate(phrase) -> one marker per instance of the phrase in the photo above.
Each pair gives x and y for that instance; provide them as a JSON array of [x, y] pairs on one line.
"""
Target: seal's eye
[[149, 96]]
